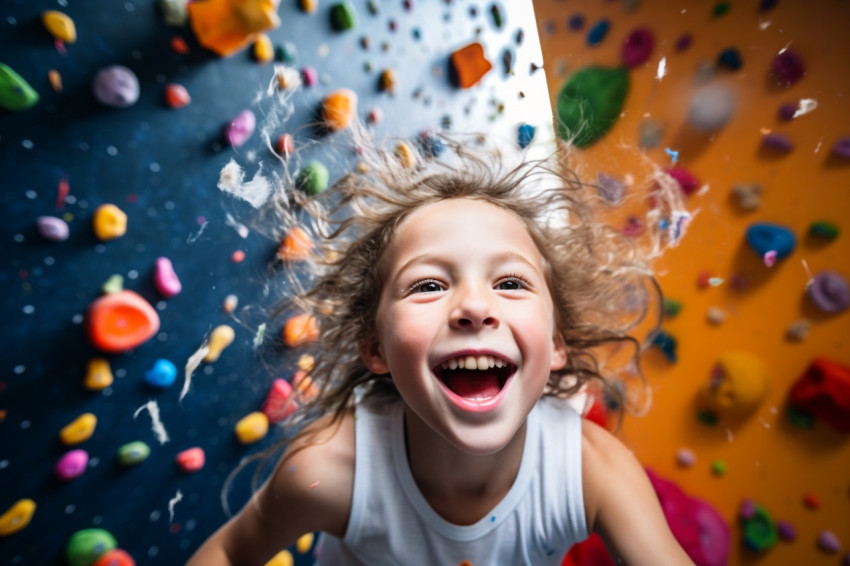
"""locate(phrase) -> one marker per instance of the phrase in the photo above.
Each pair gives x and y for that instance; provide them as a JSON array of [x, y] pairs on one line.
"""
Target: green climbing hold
[[590, 102], [758, 532], [343, 16], [15, 93], [313, 178], [87, 545], [824, 230]]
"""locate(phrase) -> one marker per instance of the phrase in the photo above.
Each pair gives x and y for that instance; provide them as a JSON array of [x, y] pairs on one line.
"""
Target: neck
[[460, 487]]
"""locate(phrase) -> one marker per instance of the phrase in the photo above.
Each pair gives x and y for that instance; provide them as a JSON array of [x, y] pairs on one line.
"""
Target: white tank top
[[391, 523]]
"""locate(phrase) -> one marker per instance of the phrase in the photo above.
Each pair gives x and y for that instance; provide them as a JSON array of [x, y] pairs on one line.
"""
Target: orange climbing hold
[[300, 329], [339, 108], [121, 321], [296, 245], [226, 26], [470, 64]]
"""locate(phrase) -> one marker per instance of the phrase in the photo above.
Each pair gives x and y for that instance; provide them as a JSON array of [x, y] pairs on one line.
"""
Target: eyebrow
[[437, 260]]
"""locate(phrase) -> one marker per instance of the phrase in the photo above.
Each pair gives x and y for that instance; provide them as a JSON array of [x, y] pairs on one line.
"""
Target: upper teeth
[[473, 362]]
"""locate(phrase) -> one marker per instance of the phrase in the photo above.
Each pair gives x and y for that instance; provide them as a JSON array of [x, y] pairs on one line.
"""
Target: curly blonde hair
[[601, 285]]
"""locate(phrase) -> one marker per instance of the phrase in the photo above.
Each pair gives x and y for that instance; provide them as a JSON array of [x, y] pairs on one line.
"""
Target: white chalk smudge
[[191, 365], [174, 500], [156, 424], [256, 191]]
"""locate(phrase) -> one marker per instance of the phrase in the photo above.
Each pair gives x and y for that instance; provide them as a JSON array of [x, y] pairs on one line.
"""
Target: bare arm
[[621, 504], [310, 490]]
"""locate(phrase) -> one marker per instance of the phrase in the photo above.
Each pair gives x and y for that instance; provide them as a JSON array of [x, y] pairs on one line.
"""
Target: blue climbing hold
[[598, 32], [526, 134], [731, 59], [765, 237], [161, 375], [665, 342]]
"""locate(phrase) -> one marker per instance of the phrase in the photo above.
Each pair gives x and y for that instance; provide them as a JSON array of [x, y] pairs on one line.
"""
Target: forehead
[[462, 225]]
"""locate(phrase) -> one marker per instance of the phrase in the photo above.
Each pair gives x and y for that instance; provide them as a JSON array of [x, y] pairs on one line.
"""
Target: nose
[[473, 310]]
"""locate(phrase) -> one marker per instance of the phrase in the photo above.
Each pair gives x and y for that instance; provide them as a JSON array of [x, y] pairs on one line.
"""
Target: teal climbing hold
[[15, 93], [590, 102]]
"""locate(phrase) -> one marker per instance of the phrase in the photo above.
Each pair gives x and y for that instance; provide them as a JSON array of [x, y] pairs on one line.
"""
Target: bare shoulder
[[315, 476]]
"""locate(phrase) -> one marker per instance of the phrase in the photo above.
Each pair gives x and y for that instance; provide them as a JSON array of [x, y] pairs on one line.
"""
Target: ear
[[372, 356], [559, 352]]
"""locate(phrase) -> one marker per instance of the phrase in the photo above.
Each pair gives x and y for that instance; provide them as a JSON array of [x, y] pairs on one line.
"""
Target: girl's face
[[465, 322]]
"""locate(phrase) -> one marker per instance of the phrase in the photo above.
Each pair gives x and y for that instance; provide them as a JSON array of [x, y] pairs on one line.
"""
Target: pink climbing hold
[[165, 279], [788, 68], [240, 128], [72, 465], [638, 47], [686, 180], [279, 402]]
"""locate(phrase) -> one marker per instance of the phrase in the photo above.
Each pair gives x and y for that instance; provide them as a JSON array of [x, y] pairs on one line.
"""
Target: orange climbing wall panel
[[768, 459]]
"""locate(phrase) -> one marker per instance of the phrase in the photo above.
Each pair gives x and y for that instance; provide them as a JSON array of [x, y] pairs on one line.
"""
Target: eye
[[426, 286], [512, 283]]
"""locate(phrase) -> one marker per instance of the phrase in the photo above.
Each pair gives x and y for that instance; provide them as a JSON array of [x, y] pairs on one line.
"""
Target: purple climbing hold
[[240, 128], [638, 47], [788, 111], [576, 22], [684, 42], [116, 86], [781, 143], [829, 291], [788, 68], [841, 147]]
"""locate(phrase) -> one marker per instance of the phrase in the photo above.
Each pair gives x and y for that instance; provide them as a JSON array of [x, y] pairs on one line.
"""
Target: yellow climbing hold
[[263, 49], [309, 6], [252, 428], [17, 517], [405, 155], [220, 338], [109, 222], [282, 558], [303, 544], [60, 26], [78, 430], [98, 375]]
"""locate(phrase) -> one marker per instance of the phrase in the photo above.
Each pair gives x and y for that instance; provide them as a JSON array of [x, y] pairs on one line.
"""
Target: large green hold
[[15, 93], [87, 545], [313, 178], [590, 102]]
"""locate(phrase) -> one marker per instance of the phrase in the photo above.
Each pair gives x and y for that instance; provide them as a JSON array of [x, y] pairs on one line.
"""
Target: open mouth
[[475, 378]]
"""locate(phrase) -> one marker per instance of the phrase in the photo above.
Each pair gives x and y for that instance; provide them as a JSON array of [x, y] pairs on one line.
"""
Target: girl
[[460, 306]]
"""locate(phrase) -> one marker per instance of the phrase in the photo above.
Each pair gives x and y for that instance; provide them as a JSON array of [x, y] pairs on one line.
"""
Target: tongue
[[473, 385]]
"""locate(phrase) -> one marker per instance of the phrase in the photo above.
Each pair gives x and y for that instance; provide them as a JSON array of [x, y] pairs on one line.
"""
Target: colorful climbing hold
[[295, 246], [191, 460], [121, 321], [252, 428], [282, 558], [686, 458], [161, 375], [730, 58], [763, 237], [176, 95], [114, 284], [313, 178], [109, 222], [747, 195], [598, 32], [339, 108], [165, 278], [79, 430], [388, 81], [824, 230], [225, 27], [637, 48], [303, 544], [758, 532], [343, 16], [17, 517], [829, 291], [375, 115], [719, 468], [683, 42], [308, 6], [711, 108], [133, 453], [15, 93], [687, 181], [469, 65], [788, 68], [590, 102], [666, 343], [220, 338], [610, 188], [525, 135], [300, 329], [778, 142], [736, 386], [87, 545], [279, 402], [115, 557], [263, 50], [799, 330], [841, 148], [715, 315], [71, 465], [238, 130], [116, 86], [285, 145], [59, 25], [310, 76], [304, 385], [786, 531], [824, 392], [829, 542], [98, 375], [52, 228]]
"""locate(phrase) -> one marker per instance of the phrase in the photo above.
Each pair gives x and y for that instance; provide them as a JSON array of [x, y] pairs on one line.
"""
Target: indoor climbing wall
[[745, 105], [135, 140]]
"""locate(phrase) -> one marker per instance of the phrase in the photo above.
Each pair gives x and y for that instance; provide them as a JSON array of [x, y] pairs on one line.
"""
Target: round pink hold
[[309, 76], [52, 228], [240, 128], [638, 47], [72, 465], [165, 279]]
